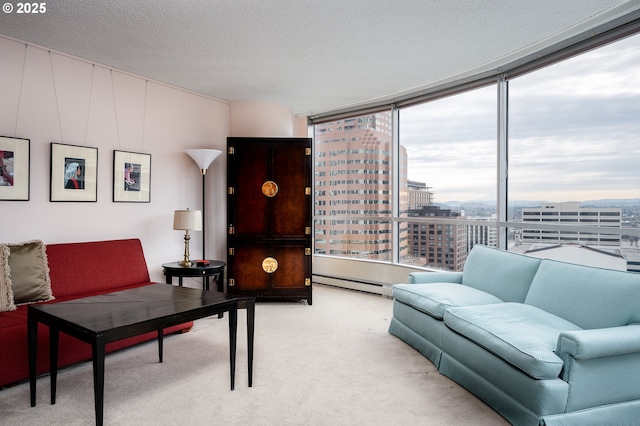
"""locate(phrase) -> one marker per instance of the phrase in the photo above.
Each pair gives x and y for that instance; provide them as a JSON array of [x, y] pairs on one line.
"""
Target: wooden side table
[[215, 269]]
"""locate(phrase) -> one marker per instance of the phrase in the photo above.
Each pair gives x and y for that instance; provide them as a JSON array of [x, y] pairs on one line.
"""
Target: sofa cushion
[[522, 335], [587, 296], [6, 294], [433, 299], [504, 274], [29, 272], [113, 264]]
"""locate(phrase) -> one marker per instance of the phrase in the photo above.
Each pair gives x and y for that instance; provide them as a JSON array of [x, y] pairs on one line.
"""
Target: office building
[[441, 244], [571, 214], [353, 179]]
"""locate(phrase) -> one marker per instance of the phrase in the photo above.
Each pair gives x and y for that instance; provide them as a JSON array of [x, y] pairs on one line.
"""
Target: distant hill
[[622, 202], [612, 202]]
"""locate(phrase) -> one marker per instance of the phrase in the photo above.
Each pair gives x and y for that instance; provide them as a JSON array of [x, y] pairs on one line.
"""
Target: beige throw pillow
[[29, 272], [6, 295]]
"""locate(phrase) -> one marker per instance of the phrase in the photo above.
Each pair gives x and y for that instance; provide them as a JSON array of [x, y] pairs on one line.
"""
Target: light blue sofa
[[540, 341]]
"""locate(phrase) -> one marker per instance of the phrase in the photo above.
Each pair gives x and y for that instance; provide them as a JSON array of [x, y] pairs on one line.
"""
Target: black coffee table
[[102, 319]]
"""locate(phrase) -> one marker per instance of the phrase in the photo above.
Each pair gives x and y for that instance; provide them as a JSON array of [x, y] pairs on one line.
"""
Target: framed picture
[[131, 177], [74, 173], [14, 169]]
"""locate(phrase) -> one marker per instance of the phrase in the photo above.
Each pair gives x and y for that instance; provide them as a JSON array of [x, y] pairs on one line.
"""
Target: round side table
[[215, 269]]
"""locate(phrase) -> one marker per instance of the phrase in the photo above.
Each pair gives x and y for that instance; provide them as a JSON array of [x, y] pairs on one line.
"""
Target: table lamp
[[187, 220]]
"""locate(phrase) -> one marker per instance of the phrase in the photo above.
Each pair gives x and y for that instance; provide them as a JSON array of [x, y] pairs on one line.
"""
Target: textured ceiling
[[308, 55]]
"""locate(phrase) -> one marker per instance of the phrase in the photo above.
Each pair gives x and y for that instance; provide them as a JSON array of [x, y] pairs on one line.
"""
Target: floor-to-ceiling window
[[574, 154], [567, 161], [450, 146]]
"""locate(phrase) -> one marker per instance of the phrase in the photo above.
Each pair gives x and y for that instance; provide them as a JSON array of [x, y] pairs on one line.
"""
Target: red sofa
[[76, 270]]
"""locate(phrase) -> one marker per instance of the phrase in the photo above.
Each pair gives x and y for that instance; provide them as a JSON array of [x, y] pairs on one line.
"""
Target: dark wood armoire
[[269, 207]]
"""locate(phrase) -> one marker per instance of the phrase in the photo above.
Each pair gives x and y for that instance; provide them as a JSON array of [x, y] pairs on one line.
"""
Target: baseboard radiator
[[352, 284]]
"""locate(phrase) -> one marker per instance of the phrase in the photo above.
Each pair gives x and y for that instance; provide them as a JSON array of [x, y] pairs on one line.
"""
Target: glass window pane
[[451, 150], [574, 150]]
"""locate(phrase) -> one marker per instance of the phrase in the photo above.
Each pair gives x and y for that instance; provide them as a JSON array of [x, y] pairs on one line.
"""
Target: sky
[[574, 133]]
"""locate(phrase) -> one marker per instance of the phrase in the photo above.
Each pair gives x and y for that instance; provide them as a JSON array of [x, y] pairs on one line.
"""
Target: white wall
[[50, 97], [261, 119]]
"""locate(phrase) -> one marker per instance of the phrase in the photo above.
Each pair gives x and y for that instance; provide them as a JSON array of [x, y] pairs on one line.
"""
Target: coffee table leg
[[32, 326], [98, 378], [54, 337], [233, 328], [251, 309], [160, 340]]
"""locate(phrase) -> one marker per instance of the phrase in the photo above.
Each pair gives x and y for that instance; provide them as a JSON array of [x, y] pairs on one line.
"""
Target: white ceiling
[[308, 55]]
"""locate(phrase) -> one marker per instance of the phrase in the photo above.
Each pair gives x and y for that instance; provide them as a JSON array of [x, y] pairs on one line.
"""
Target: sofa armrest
[[600, 365], [435, 277], [598, 343]]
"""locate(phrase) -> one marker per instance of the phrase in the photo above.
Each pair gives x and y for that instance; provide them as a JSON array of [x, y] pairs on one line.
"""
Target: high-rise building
[[419, 195], [438, 245], [353, 172]]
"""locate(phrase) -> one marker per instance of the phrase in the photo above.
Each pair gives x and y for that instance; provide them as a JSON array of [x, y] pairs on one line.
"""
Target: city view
[[569, 168]]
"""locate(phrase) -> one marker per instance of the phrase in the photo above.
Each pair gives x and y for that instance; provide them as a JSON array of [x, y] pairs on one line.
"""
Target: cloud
[[574, 133]]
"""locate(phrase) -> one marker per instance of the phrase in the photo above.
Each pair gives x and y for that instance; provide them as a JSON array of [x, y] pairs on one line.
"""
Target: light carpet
[[331, 363]]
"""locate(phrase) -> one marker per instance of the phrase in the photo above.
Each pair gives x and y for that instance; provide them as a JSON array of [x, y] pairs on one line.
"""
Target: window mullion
[[395, 178], [503, 158]]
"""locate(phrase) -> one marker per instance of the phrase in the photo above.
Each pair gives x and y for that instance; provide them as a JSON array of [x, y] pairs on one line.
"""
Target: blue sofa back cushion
[[501, 273], [433, 299], [522, 335], [587, 296]]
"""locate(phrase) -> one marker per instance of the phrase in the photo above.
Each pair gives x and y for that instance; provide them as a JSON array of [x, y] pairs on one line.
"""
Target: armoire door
[[269, 217]]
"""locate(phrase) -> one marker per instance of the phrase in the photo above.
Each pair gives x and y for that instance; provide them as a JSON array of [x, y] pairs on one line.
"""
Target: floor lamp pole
[[204, 217]]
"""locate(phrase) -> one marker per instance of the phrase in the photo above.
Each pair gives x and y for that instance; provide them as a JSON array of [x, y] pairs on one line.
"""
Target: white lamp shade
[[203, 157], [187, 220]]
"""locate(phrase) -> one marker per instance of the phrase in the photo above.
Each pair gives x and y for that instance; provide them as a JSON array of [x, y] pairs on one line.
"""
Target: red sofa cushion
[[81, 269]]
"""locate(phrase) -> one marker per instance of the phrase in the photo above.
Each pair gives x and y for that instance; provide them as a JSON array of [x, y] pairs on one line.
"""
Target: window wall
[[547, 159]]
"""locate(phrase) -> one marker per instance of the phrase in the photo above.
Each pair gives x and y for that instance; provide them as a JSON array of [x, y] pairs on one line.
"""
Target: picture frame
[[131, 177], [74, 173], [15, 161]]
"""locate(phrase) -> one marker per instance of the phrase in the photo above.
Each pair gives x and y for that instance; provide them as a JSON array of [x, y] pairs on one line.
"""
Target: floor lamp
[[203, 158]]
